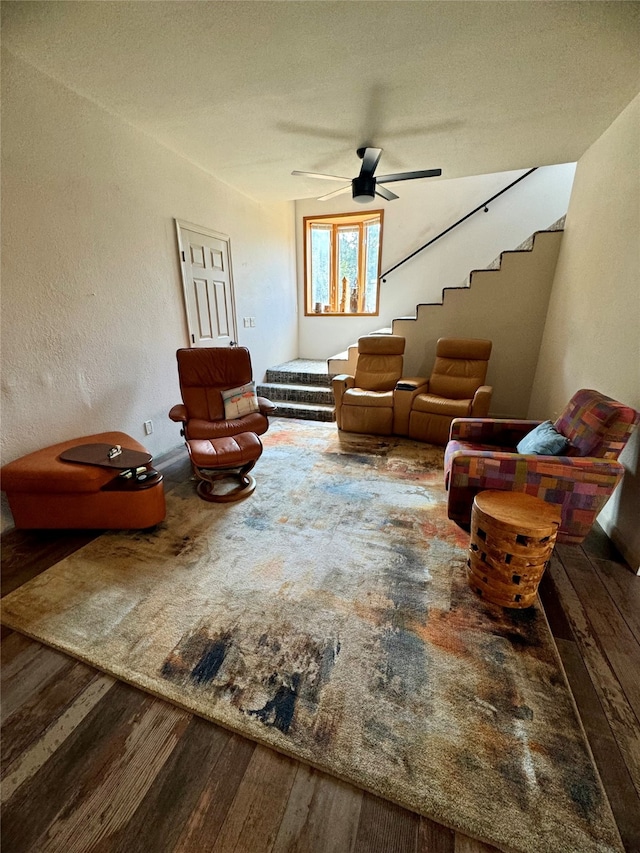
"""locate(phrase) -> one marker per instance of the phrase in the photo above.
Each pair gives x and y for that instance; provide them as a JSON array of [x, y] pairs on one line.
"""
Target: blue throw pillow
[[544, 440]]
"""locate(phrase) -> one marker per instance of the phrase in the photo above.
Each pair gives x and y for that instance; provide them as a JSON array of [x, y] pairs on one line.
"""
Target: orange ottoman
[[45, 492]]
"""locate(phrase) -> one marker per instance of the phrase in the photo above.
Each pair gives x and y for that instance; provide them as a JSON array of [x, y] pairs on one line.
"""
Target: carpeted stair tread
[[281, 378], [305, 411], [295, 393], [300, 371], [300, 389]]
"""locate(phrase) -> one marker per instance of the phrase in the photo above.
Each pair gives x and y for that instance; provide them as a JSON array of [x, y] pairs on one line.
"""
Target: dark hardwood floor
[[92, 764]]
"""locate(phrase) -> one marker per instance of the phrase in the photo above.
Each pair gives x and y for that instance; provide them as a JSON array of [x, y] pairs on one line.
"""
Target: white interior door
[[205, 261]]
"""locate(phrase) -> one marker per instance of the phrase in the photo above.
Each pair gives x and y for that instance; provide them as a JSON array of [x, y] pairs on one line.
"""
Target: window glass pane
[[344, 247], [372, 239], [348, 250], [320, 264]]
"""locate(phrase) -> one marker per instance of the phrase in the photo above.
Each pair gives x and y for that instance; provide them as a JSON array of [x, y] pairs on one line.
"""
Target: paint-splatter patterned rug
[[328, 616]]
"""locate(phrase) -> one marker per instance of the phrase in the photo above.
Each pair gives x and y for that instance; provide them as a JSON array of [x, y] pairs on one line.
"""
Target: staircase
[[300, 389], [506, 302]]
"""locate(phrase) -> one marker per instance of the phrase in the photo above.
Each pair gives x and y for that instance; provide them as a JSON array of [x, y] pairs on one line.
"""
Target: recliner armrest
[[406, 390], [340, 384], [481, 401], [504, 432], [178, 413], [344, 378], [266, 406], [418, 384]]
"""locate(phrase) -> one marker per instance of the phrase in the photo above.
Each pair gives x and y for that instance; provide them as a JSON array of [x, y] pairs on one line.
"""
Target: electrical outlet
[[148, 427], [252, 322]]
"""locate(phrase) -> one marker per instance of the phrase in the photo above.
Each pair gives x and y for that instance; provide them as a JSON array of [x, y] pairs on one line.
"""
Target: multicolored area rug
[[328, 616]]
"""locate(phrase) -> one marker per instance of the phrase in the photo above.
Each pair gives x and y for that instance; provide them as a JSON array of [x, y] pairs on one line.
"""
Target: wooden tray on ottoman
[[134, 465]]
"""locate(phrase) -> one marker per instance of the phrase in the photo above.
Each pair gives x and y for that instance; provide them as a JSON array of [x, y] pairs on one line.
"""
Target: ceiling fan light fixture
[[363, 189]]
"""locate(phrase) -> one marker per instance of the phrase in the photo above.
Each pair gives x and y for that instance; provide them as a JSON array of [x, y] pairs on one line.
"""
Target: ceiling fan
[[365, 187]]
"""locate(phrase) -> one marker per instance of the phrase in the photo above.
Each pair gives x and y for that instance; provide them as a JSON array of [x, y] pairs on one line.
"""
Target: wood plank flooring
[[91, 764]]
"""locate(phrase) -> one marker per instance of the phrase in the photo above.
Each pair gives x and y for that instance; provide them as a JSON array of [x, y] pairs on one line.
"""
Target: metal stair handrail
[[482, 206]]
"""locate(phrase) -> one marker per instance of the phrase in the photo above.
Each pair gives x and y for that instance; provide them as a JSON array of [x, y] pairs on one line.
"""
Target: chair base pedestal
[[206, 484], [231, 457]]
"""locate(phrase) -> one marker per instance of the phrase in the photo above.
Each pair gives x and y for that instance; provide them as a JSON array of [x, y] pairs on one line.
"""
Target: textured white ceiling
[[249, 91]]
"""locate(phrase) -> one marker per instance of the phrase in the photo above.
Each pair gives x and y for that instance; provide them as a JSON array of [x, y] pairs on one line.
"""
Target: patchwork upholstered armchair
[[481, 454]]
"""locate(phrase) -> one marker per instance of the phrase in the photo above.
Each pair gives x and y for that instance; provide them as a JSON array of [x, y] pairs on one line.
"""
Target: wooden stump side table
[[512, 538]]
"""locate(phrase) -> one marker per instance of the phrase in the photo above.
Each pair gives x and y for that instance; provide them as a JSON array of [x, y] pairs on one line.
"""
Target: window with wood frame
[[342, 263]]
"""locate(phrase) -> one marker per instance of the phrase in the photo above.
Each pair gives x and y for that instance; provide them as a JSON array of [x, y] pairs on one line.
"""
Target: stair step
[[287, 392], [316, 412], [300, 371], [300, 389]]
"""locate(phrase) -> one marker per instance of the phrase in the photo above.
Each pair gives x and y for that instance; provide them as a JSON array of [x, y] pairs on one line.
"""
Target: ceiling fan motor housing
[[363, 188]]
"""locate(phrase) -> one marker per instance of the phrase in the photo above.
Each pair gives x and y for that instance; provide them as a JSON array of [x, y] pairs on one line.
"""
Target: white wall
[[424, 209], [92, 310], [508, 307], [592, 334]]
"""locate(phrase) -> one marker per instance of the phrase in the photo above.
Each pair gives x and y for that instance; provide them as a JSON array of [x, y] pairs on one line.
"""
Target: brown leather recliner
[[364, 402], [455, 389], [204, 373], [221, 447]]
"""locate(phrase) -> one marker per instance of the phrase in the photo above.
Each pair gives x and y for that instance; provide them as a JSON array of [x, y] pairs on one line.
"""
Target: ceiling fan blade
[[334, 193], [370, 160], [409, 176], [385, 193], [317, 175]]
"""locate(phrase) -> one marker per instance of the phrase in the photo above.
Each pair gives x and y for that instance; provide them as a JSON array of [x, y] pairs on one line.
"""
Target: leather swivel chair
[[204, 373], [364, 402], [221, 446], [455, 389]]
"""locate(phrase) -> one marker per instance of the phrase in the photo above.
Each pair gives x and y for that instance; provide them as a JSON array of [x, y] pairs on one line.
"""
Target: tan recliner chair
[[455, 389], [364, 402]]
